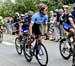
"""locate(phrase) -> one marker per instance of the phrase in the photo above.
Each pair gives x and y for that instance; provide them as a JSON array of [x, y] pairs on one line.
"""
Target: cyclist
[[16, 17], [1, 22], [28, 17], [69, 24], [21, 26], [24, 23], [16, 20], [39, 18]]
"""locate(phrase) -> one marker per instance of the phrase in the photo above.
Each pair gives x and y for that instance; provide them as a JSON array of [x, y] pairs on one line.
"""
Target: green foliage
[[23, 6], [8, 8]]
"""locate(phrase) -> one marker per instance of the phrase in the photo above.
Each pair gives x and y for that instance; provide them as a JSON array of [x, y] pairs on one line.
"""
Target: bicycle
[[66, 52], [19, 44], [1, 36], [33, 51], [73, 60]]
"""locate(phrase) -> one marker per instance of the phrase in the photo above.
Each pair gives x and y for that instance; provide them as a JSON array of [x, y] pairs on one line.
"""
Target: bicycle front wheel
[[43, 54], [18, 46], [64, 50], [73, 59], [1, 37]]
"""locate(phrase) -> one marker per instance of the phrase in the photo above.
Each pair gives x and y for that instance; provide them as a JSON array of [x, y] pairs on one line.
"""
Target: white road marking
[[7, 43]]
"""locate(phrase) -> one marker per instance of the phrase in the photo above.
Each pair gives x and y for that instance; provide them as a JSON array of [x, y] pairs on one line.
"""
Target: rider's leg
[[21, 36], [70, 34], [37, 44]]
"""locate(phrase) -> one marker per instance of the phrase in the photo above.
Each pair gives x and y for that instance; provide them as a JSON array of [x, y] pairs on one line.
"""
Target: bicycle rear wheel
[[1, 37], [18, 46], [28, 54], [43, 54]]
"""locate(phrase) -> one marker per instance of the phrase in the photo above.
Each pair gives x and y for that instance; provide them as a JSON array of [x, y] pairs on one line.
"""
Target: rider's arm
[[46, 24], [30, 28], [20, 26], [46, 28], [31, 24], [71, 21]]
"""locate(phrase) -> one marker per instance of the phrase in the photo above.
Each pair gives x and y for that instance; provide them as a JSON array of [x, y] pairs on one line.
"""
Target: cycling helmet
[[65, 6], [17, 13], [22, 15], [30, 13], [42, 6]]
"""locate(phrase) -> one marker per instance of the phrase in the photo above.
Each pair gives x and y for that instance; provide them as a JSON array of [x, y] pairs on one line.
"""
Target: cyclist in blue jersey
[[69, 24], [37, 20], [24, 24]]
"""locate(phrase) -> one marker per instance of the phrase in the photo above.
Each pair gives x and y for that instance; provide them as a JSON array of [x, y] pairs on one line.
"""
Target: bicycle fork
[[37, 48]]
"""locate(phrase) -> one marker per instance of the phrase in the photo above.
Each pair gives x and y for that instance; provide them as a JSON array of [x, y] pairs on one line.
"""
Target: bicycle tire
[[46, 56], [27, 57], [61, 42], [73, 59], [1, 37], [16, 46]]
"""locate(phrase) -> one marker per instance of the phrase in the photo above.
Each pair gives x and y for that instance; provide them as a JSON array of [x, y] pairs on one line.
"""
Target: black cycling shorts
[[36, 29]]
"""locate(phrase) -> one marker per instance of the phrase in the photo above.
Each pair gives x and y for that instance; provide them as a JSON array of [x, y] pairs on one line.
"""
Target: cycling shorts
[[36, 29], [67, 26]]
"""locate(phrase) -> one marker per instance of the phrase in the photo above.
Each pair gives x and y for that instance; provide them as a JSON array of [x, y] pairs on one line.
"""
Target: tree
[[6, 8], [23, 6]]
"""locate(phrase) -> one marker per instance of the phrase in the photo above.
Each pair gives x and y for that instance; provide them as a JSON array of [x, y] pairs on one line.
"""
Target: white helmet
[[17, 13], [1, 17], [22, 15], [65, 6]]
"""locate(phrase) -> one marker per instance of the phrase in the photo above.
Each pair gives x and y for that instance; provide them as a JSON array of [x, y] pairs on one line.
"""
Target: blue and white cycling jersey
[[39, 18], [71, 16], [25, 24]]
